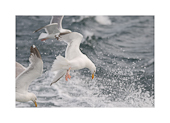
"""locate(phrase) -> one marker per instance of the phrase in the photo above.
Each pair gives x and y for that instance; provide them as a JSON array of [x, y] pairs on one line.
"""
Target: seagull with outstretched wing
[[27, 75], [54, 29], [74, 58]]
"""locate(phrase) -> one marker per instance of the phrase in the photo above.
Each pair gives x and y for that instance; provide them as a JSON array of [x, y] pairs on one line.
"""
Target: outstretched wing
[[50, 28], [19, 68], [58, 76], [32, 72], [73, 40], [57, 19], [39, 29]]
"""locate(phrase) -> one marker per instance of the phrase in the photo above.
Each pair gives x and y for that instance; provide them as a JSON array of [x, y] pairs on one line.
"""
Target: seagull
[[27, 75], [74, 58], [54, 29]]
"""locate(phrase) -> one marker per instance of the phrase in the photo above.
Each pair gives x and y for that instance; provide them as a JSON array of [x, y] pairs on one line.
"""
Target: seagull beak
[[92, 75], [35, 103]]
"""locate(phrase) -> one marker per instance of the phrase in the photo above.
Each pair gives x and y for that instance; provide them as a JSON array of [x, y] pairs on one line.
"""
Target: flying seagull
[[27, 75], [54, 29]]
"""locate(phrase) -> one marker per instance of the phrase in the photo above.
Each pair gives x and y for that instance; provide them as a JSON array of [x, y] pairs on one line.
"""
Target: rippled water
[[121, 47]]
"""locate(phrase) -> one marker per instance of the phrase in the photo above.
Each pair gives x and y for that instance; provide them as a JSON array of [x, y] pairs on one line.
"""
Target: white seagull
[[27, 75], [54, 29], [74, 58]]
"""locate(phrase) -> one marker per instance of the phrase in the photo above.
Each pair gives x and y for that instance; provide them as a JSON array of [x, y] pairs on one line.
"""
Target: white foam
[[104, 20], [80, 19], [88, 33]]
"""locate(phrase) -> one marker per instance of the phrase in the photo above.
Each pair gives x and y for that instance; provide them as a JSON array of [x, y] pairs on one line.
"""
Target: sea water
[[121, 47]]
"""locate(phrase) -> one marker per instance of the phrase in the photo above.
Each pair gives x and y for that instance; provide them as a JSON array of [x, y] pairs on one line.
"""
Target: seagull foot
[[68, 75], [66, 78], [58, 37]]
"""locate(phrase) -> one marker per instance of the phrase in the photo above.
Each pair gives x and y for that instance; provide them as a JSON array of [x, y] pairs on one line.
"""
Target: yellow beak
[[35, 103], [92, 75]]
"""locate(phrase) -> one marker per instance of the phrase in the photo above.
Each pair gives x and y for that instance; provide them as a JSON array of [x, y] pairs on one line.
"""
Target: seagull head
[[33, 98], [70, 36], [64, 32]]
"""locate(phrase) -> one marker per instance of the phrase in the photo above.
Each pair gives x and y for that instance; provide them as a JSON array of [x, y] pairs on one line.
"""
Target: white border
[[76, 7]]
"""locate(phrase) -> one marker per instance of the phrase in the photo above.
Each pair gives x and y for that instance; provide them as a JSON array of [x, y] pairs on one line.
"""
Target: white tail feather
[[42, 36], [60, 63]]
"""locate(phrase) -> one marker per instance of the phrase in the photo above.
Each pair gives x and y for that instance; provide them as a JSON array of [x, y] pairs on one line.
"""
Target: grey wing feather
[[32, 72], [73, 50], [58, 76], [52, 28], [19, 68], [57, 19], [39, 29]]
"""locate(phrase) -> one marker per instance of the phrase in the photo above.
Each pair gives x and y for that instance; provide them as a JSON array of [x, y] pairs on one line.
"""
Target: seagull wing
[[57, 19], [52, 28], [19, 68], [40, 29], [58, 76], [73, 40], [32, 72]]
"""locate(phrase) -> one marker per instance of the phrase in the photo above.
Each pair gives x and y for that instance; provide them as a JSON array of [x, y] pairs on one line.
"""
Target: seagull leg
[[66, 78], [68, 74]]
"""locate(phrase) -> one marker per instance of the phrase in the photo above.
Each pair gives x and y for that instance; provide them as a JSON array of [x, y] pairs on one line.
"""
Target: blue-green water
[[121, 47]]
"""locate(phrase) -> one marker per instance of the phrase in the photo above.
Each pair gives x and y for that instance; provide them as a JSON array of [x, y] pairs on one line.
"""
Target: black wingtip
[[35, 51], [36, 30], [51, 83], [56, 80]]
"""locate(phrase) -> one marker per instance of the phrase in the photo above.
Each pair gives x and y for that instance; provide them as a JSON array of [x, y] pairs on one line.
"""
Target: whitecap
[[104, 20]]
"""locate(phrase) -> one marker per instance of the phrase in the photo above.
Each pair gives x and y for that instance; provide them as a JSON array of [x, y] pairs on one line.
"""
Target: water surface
[[121, 47]]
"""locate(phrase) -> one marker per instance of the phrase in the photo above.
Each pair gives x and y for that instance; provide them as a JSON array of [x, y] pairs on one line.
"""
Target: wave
[[104, 20], [122, 55]]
